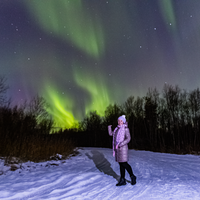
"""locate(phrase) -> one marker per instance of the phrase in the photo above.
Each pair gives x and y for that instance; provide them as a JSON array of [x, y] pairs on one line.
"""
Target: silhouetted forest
[[167, 122], [25, 131], [164, 122]]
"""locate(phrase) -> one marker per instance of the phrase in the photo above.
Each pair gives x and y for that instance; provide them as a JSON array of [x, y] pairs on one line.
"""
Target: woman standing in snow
[[121, 138]]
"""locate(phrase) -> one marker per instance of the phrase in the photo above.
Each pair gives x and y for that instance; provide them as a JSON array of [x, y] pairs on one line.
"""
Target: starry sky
[[82, 55]]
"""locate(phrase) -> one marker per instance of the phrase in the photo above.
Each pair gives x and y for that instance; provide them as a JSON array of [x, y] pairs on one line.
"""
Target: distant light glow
[[61, 109]]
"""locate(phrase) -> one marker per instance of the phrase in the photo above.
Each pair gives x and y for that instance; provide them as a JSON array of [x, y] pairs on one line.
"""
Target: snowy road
[[93, 175]]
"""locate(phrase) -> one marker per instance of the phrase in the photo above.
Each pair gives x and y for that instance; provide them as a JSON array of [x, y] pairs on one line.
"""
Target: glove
[[117, 146]]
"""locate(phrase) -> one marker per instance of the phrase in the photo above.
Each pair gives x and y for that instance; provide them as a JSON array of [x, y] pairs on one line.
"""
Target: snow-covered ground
[[93, 174]]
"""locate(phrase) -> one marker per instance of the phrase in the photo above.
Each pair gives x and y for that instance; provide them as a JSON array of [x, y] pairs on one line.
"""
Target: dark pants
[[123, 166]]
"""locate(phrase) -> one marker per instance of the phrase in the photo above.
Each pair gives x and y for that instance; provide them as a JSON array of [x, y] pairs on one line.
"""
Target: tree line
[[164, 122], [167, 122], [25, 131]]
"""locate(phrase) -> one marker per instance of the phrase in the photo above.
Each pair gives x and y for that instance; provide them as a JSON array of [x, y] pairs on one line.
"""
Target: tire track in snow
[[159, 176]]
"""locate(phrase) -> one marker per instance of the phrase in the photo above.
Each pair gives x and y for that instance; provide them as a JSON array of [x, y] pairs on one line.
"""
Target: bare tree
[[3, 89], [38, 108], [151, 105], [194, 101]]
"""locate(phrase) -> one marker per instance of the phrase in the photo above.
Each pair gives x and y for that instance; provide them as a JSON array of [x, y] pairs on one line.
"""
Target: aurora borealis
[[82, 55]]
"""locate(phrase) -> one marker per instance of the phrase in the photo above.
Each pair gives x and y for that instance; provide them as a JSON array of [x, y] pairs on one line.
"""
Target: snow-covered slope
[[93, 174]]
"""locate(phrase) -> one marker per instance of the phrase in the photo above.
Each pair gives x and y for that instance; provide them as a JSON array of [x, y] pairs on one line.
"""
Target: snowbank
[[93, 174]]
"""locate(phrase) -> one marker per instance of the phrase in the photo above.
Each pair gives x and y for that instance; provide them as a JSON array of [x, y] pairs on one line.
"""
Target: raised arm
[[127, 138], [110, 130]]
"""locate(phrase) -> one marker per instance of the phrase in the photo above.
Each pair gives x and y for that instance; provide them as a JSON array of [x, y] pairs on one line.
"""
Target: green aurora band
[[167, 10], [95, 85], [69, 21], [61, 109], [72, 23]]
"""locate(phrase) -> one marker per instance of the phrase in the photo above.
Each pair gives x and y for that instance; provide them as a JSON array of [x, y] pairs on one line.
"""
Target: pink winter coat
[[121, 154]]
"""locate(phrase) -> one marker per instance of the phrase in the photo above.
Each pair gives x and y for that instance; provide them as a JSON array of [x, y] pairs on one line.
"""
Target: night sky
[[82, 55]]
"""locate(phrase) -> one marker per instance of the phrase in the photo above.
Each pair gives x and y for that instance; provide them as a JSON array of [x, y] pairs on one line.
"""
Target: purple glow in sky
[[84, 55]]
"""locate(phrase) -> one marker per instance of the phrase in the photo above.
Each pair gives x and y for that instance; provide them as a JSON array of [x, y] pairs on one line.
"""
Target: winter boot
[[133, 180], [122, 181]]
